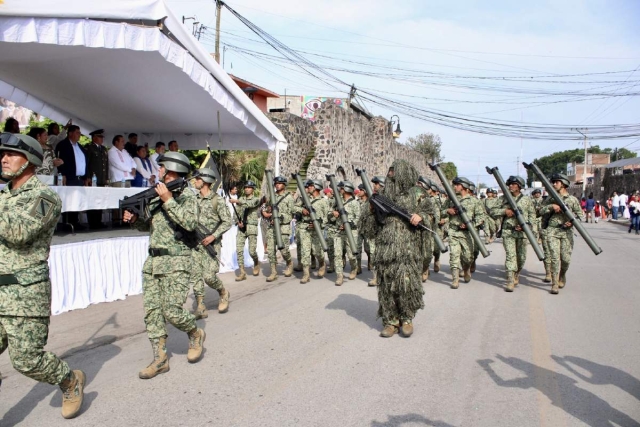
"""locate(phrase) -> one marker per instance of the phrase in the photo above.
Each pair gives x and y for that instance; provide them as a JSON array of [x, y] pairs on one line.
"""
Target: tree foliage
[[427, 144], [449, 169]]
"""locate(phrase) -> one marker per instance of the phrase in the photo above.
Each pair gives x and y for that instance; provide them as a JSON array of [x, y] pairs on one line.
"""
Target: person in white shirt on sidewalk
[[615, 205], [623, 206], [122, 168]]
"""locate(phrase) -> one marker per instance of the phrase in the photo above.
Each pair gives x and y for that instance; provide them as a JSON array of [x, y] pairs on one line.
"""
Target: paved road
[[309, 355]]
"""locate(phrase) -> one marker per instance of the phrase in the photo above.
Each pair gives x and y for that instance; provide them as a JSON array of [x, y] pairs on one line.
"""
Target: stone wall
[[342, 139], [605, 183]]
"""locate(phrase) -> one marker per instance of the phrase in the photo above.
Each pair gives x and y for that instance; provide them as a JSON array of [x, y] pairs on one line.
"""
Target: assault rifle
[[312, 212], [202, 232], [565, 209], [139, 203], [343, 214], [514, 207], [275, 214], [460, 210], [387, 207]]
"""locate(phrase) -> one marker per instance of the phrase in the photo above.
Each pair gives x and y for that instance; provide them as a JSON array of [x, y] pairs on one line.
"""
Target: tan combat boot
[[201, 310], [243, 274], [516, 278], [274, 274], [555, 289], [547, 274], [322, 267], [562, 280], [436, 266], [388, 331], [223, 303], [196, 345], [510, 282], [256, 267], [298, 267], [354, 270], [467, 275], [425, 274], [374, 281], [406, 330], [455, 279], [72, 393], [305, 275], [313, 263], [473, 266], [339, 280], [160, 363], [289, 270]]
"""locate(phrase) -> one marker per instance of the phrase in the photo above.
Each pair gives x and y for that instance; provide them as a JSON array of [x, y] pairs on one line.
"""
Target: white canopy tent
[[124, 66]]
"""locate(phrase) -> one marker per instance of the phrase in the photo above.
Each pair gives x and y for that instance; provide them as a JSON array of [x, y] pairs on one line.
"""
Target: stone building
[[339, 141]]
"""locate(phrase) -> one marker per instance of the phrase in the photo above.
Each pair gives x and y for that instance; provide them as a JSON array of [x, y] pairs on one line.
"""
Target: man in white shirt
[[122, 168], [623, 204], [615, 205], [160, 149]]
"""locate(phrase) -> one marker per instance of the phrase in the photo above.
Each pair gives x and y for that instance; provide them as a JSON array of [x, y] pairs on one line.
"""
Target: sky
[[463, 51]]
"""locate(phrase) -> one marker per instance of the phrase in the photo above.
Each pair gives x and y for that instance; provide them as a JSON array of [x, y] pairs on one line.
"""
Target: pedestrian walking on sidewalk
[[634, 212], [615, 206], [597, 211], [30, 212], [589, 207]]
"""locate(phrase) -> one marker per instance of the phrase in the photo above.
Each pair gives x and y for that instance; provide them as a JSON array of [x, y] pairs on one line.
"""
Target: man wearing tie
[[74, 168]]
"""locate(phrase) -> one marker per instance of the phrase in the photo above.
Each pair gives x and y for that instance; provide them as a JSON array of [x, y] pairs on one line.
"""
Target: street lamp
[[398, 131]]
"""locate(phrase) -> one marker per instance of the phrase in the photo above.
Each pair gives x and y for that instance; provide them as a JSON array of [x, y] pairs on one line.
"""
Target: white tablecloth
[[76, 199]]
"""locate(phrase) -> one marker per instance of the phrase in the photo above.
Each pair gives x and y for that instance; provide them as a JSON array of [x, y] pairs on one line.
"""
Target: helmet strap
[[11, 175]]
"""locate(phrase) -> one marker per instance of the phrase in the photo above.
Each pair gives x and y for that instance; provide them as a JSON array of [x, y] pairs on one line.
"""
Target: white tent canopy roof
[[124, 66]]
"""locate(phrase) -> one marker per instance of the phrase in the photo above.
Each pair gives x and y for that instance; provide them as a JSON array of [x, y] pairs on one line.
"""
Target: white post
[[277, 165]]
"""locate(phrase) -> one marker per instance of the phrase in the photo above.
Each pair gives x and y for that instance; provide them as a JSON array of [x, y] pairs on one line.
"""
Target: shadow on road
[[96, 352], [601, 374], [361, 309], [562, 391], [409, 419]]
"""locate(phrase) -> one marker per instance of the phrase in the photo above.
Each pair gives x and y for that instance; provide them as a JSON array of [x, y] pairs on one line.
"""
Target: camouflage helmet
[[434, 187], [206, 174], [472, 187], [22, 144], [536, 191], [348, 187], [250, 184], [307, 183], [317, 184], [279, 180], [463, 181], [378, 180], [425, 181], [560, 177], [340, 184], [175, 162], [516, 180], [361, 187]]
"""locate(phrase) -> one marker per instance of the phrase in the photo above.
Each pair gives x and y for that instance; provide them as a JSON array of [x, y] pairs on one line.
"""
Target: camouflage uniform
[[340, 241], [28, 219], [332, 225], [369, 244], [309, 241], [166, 275], [251, 205], [543, 220], [482, 215], [537, 224], [461, 244], [515, 242], [430, 221], [285, 208], [437, 205], [491, 225], [560, 240], [215, 217]]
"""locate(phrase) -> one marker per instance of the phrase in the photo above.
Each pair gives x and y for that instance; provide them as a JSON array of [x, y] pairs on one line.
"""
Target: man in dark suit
[[131, 146], [98, 165], [74, 168]]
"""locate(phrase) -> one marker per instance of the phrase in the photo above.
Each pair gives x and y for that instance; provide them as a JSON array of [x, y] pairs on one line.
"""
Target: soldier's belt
[[163, 252], [8, 279]]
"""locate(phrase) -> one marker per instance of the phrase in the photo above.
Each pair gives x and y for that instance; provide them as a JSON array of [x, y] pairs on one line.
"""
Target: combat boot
[[322, 266], [406, 330], [473, 266], [388, 331], [467, 275], [201, 310], [72, 393], [562, 280], [436, 266], [256, 267], [223, 303], [354, 270], [288, 271], [555, 289], [425, 275], [374, 281], [305, 275], [510, 282], [516, 278], [339, 280], [274, 274], [196, 345], [547, 274], [455, 279], [330, 268], [243, 274], [313, 263], [160, 363], [298, 266]]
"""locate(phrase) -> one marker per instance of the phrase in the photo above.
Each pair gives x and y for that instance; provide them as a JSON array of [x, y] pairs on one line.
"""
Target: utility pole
[[584, 174], [219, 4], [352, 93]]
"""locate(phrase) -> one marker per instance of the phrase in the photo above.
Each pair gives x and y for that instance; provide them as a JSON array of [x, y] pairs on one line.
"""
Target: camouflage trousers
[[271, 247], [205, 270], [560, 247], [340, 246], [515, 249], [309, 244], [369, 246], [253, 243], [25, 337], [331, 234], [460, 250], [490, 226], [163, 299], [546, 249], [427, 249]]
